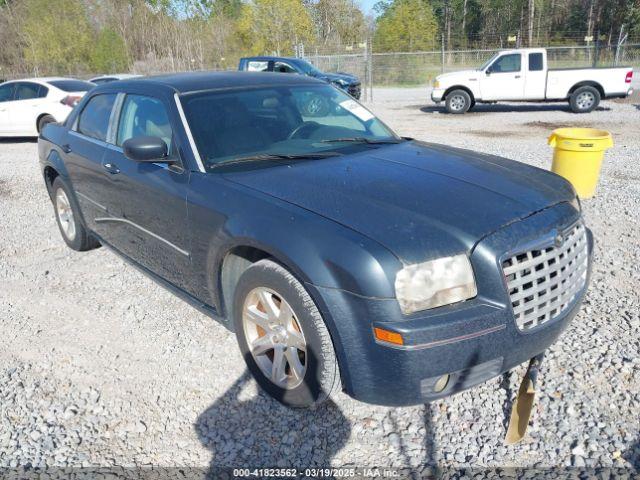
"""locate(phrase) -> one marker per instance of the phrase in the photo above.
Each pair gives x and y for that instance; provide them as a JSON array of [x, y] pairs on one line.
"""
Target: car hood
[[457, 76], [333, 77], [420, 201]]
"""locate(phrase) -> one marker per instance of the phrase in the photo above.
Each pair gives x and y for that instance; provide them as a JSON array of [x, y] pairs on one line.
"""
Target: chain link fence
[[420, 68], [414, 68]]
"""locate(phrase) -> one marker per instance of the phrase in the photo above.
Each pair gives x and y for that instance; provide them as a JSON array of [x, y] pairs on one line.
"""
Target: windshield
[[284, 121], [307, 68], [488, 62]]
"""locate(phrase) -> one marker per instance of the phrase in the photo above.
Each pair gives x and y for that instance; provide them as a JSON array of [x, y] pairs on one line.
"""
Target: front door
[[6, 100], [503, 79], [149, 223]]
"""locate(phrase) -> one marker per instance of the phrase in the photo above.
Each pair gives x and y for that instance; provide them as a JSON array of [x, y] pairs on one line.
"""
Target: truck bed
[[609, 80]]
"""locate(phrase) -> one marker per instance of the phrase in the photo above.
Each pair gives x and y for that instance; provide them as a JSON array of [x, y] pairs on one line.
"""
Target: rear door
[[536, 76], [149, 221], [84, 151], [503, 79]]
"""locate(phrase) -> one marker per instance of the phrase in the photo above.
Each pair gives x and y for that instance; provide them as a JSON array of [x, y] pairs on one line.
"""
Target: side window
[[283, 67], [6, 92], [535, 62], [257, 66], [94, 119], [27, 91], [143, 116], [507, 63]]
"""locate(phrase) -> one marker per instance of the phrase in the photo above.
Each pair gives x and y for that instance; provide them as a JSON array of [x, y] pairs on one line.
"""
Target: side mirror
[[146, 149], [488, 71]]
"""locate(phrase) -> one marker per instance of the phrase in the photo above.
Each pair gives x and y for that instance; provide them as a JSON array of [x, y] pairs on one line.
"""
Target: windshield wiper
[[371, 141], [276, 156]]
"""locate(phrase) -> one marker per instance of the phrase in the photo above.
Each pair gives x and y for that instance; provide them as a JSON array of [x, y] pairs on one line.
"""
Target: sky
[[367, 5]]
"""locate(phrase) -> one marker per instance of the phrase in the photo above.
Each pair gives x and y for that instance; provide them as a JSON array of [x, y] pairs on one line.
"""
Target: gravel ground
[[99, 366]]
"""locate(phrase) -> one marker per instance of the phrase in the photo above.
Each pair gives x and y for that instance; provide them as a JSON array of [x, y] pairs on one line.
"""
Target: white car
[[26, 106], [523, 75], [112, 78]]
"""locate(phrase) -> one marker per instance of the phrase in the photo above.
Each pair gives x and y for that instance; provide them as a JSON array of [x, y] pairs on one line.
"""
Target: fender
[[319, 251], [587, 83], [474, 96], [325, 254], [54, 160]]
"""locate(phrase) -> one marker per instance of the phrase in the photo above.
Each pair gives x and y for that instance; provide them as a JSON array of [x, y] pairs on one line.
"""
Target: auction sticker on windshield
[[357, 109]]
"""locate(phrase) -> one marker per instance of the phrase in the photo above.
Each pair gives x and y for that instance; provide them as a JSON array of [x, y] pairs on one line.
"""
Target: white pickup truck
[[522, 75]]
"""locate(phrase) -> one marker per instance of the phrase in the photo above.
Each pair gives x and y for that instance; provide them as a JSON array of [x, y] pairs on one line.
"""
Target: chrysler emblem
[[558, 241]]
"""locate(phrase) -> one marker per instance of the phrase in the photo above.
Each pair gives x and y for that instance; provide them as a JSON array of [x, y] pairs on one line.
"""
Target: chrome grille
[[543, 283]]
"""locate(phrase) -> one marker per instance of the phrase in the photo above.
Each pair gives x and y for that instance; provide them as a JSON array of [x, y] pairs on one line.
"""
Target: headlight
[[436, 84], [437, 282], [341, 83]]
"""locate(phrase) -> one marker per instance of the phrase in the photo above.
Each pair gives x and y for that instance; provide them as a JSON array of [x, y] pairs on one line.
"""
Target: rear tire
[[68, 218], [458, 102], [584, 99], [274, 314], [44, 121]]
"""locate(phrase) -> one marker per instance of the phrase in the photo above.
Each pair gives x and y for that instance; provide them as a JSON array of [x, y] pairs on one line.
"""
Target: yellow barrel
[[578, 156]]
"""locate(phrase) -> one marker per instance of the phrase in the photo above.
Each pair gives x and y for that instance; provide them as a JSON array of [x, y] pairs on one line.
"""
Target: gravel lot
[[99, 366]]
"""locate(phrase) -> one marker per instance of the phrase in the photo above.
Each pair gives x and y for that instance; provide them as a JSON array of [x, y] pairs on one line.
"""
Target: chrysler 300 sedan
[[342, 255]]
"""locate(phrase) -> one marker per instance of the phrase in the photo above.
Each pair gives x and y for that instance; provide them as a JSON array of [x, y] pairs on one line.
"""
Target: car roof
[[120, 76], [266, 57], [39, 79], [200, 81]]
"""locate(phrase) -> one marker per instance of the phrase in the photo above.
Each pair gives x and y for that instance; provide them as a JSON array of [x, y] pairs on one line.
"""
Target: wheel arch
[[587, 83], [460, 87], [235, 261], [53, 168], [238, 258], [50, 174], [40, 117]]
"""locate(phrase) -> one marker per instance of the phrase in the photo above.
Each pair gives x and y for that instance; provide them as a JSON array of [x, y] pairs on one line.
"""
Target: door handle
[[66, 148], [111, 168], [517, 76]]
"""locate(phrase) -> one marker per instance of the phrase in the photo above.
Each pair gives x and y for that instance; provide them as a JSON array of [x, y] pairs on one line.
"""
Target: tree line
[[43, 37]]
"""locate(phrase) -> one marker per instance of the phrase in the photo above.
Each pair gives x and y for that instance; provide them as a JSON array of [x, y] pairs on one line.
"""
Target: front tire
[[68, 218], [584, 99], [458, 102], [282, 336]]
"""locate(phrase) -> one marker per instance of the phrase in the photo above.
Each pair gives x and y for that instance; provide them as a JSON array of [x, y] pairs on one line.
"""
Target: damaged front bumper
[[469, 342]]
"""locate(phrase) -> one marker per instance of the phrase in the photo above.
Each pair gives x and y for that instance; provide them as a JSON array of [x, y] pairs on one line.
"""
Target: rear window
[[94, 119], [72, 85], [535, 62], [100, 81], [257, 66]]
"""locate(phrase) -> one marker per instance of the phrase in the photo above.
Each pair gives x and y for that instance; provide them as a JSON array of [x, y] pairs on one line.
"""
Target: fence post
[[596, 49], [621, 41], [370, 51], [442, 51]]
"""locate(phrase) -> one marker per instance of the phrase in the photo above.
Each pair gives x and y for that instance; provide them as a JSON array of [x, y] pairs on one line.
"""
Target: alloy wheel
[[457, 103], [274, 337], [585, 100], [65, 215]]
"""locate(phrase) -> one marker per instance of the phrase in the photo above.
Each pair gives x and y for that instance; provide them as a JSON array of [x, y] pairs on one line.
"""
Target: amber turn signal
[[388, 336]]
